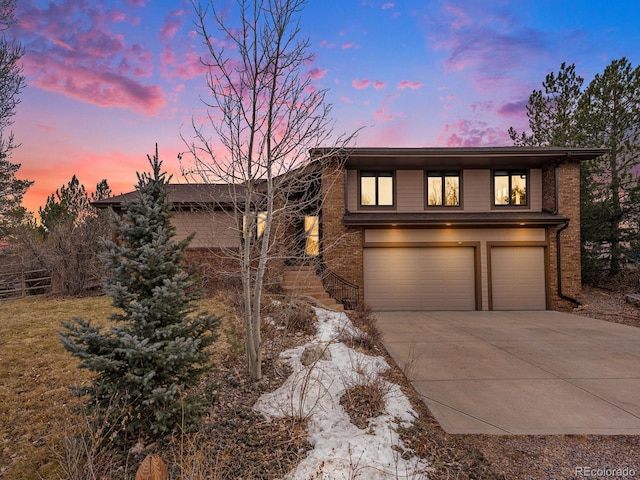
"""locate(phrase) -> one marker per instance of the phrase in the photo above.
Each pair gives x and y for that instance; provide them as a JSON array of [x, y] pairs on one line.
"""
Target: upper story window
[[443, 188], [376, 188], [510, 187]]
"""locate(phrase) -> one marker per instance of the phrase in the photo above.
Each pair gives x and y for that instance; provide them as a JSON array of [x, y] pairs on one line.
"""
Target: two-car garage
[[481, 275], [432, 278]]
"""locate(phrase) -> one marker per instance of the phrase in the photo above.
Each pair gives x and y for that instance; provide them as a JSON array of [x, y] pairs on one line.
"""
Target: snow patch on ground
[[342, 450]]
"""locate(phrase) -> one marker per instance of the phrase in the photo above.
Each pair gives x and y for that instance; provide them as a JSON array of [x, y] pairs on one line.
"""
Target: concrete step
[[311, 283], [306, 291], [303, 281], [307, 277]]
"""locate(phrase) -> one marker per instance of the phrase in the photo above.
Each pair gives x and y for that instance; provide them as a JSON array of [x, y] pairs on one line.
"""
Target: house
[[491, 228], [200, 208], [457, 228], [203, 209]]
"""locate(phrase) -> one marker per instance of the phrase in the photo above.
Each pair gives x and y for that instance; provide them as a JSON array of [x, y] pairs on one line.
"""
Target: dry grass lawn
[[35, 370], [38, 409]]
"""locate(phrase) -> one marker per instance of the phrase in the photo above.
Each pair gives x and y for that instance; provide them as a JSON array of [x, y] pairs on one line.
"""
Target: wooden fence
[[31, 282]]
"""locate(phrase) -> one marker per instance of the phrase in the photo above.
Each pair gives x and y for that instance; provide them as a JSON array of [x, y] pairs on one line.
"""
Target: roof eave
[[464, 157]]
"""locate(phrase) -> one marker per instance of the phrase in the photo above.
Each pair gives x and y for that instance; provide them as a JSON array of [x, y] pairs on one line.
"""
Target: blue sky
[[108, 79]]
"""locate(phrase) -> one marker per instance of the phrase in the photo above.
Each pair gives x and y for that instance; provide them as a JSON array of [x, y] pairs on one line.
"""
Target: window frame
[[509, 173], [377, 174], [443, 174], [253, 230], [312, 235]]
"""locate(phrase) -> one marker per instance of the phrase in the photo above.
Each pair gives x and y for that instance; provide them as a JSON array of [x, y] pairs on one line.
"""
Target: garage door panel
[[431, 278], [518, 278]]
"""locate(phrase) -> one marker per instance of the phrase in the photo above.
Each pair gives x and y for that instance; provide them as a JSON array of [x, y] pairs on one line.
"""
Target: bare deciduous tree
[[265, 115], [68, 241], [11, 83]]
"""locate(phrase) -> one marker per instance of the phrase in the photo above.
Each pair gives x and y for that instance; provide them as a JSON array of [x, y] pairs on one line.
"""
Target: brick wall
[[219, 267], [342, 247], [548, 188], [568, 206]]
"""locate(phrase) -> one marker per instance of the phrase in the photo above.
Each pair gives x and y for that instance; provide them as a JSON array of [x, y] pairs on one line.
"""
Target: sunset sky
[[108, 79]]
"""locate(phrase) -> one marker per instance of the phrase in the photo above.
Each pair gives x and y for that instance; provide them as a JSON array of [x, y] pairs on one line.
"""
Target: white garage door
[[433, 278], [518, 278]]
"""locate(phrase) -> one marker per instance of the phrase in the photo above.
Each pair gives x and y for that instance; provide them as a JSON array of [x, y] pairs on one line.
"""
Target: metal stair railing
[[341, 290]]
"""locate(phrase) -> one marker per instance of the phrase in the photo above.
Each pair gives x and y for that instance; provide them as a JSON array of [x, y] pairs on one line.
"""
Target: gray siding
[[477, 193], [212, 229], [410, 196], [476, 190]]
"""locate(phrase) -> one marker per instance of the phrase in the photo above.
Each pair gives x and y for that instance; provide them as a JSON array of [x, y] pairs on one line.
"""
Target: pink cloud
[[46, 128], [488, 44], [347, 45], [447, 99], [388, 5], [379, 85], [383, 114], [317, 73], [172, 23], [118, 17], [98, 87], [513, 109], [407, 84], [487, 106], [461, 17], [345, 99], [184, 65], [145, 67], [73, 50], [360, 84], [327, 44], [471, 133]]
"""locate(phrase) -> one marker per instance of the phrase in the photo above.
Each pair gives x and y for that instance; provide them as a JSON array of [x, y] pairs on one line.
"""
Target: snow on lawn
[[342, 450]]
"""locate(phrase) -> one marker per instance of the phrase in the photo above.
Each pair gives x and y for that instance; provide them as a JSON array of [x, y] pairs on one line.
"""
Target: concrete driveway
[[520, 372]]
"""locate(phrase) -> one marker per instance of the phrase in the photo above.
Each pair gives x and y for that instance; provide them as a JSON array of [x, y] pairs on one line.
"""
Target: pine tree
[[552, 113], [157, 348], [71, 230], [605, 115], [609, 117]]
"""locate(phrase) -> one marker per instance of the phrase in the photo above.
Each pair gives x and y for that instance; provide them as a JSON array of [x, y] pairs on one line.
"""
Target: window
[[510, 187], [376, 188], [254, 228], [443, 189], [312, 235]]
